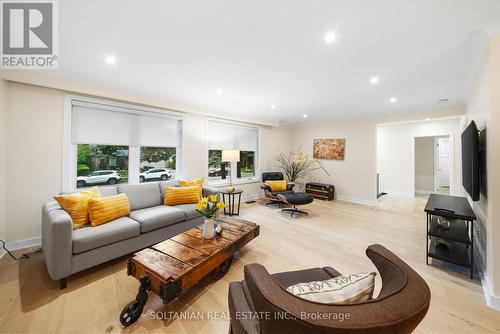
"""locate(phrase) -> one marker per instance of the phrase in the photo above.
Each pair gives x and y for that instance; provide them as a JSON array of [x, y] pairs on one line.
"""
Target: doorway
[[433, 158], [442, 167]]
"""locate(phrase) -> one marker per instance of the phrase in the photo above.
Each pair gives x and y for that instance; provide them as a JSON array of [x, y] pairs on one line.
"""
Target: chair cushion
[[105, 209], [275, 193], [297, 198], [272, 176], [157, 217], [288, 278], [87, 238], [142, 196], [348, 289], [189, 210]]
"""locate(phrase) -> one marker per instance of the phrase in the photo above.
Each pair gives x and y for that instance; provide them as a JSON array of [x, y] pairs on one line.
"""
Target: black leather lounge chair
[[273, 195]]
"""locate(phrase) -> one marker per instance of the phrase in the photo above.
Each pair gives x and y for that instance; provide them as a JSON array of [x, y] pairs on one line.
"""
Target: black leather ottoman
[[295, 199]]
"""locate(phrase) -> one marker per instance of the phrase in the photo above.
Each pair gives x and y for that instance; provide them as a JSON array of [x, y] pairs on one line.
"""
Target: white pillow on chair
[[348, 289]]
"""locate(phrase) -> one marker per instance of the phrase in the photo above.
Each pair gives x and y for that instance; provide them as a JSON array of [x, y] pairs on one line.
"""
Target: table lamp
[[231, 156]]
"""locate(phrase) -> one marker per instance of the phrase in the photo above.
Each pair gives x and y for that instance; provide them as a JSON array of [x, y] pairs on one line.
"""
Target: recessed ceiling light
[[272, 106], [111, 59], [305, 115], [330, 37], [427, 119], [219, 91], [393, 100], [374, 80]]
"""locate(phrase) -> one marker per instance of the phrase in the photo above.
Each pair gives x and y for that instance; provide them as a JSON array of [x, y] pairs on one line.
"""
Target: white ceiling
[[264, 52]]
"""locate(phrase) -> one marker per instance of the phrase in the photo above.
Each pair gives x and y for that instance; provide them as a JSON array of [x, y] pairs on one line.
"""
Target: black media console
[[454, 241]]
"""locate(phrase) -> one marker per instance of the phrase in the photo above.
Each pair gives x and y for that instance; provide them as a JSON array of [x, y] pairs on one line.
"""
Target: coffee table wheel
[[131, 313], [134, 309], [222, 270]]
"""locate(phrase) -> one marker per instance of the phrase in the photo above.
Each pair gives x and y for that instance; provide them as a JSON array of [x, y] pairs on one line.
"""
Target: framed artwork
[[329, 149]]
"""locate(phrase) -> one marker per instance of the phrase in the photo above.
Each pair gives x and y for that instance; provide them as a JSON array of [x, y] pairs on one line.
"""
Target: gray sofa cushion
[[108, 191], [165, 184], [157, 217], [189, 210], [87, 238], [142, 196]]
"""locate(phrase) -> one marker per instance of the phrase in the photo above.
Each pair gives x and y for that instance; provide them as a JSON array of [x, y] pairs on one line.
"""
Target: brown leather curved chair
[[260, 303]]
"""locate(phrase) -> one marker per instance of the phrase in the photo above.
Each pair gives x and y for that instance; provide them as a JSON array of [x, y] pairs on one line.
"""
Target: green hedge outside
[[82, 170]]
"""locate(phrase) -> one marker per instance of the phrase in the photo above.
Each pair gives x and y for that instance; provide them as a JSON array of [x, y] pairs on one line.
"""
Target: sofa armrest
[[207, 191], [57, 229]]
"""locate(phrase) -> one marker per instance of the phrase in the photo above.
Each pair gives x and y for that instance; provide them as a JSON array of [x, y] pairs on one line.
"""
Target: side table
[[229, 205]]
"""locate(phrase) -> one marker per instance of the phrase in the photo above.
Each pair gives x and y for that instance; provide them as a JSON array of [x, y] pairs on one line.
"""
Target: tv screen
[[470, 161]]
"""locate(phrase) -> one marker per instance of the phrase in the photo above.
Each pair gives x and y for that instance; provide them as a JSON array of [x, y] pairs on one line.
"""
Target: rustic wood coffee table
[[171, 267]]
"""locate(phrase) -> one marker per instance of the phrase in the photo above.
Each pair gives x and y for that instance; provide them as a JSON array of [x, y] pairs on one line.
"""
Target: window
[[101, 164], [232, 136], [109, 143], [157, 163]]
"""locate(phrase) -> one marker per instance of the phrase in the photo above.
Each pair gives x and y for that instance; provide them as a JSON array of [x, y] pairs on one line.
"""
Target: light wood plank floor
[[335, 233]]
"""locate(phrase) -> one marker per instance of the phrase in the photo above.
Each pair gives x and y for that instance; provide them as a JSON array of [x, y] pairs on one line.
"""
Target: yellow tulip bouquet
[[208, 206]]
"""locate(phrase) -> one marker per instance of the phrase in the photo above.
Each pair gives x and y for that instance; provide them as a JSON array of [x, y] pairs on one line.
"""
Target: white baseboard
[[423, 192], [398, 193], [492, 301], [21, 244], [356, 200]]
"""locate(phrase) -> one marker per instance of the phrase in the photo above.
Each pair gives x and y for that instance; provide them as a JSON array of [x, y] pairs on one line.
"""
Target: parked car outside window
[[155, 174], [98, 177]]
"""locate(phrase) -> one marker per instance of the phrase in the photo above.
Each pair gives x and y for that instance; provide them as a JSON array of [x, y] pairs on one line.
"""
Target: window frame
[[70, 162], [257, 167]]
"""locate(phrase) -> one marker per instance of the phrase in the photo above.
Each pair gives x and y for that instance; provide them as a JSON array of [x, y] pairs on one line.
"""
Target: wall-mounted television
[[470, 161]]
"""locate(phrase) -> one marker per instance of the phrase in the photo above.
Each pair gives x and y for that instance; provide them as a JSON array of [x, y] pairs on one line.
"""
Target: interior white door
[[444, 160]]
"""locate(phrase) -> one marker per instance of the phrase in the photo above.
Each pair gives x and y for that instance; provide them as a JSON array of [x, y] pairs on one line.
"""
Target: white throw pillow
[[349, 289]]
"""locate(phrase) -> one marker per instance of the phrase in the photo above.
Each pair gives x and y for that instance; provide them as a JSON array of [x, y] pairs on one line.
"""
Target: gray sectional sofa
[[69, 251]]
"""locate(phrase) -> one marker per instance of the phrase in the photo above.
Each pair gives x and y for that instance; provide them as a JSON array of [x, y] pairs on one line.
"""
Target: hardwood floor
[[335, 233]]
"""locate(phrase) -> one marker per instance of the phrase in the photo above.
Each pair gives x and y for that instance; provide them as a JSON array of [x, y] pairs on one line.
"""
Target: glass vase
[[208, 229]]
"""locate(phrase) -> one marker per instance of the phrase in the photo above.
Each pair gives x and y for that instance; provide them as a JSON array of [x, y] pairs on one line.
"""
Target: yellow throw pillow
[[188, 183], [106, 209], [276, 185], [195, 182], [76, 205], [182, 195]]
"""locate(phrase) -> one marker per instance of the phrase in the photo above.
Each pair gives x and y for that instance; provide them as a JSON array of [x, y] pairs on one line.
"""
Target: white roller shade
[[94, 123], [230, 136]]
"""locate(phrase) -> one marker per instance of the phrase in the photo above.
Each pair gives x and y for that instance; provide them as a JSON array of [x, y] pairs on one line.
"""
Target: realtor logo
[[28, 34]]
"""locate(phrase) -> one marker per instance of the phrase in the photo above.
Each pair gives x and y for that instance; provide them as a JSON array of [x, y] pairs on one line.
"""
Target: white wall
[[395, 153], [424, 164], [484, 108], [3, 156], [34, 160], [355, 177]]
